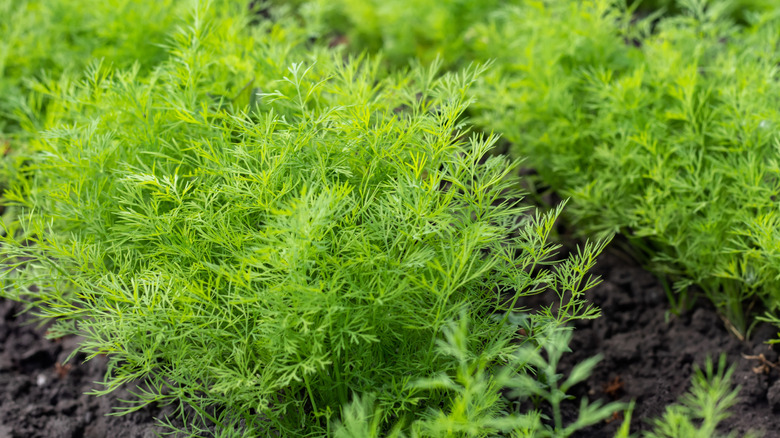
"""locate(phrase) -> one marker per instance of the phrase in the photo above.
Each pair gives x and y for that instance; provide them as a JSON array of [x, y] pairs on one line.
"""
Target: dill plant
[[46, 38], [475, 408], [697, 414], [657, 124], [664, 130], [699, 410], [262, 231]]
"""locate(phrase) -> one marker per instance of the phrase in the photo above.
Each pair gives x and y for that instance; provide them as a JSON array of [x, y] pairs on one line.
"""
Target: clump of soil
[[649, 353]]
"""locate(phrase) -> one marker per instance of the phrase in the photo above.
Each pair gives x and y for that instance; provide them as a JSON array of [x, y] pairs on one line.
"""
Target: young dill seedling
[[477, 407]]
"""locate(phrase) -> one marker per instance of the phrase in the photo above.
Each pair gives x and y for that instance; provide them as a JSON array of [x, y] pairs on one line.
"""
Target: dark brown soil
[[648, 356], [39, 397], [649, 353]]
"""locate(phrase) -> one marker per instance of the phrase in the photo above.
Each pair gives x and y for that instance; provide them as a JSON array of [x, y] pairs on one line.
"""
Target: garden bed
[[293, 242], [646, 359]]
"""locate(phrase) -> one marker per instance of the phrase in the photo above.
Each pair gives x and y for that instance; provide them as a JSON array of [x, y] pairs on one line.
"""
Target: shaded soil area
[[649, 354]]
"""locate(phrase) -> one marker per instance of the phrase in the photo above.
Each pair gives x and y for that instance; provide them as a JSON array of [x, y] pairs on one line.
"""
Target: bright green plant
[[668, 137], [659, 127], [48, 37], [259, 229]]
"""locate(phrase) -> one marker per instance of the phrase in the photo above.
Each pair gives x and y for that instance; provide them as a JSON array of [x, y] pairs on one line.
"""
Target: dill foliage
[[263, 231], [656, 119], [699, 411], [283, 239], [662, 129], [46, 38]]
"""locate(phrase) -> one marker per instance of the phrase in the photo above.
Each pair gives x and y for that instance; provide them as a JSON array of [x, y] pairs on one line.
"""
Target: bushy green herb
[[661, 127], [44, 38], [49, 39], [668, 137], [261, 230]]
